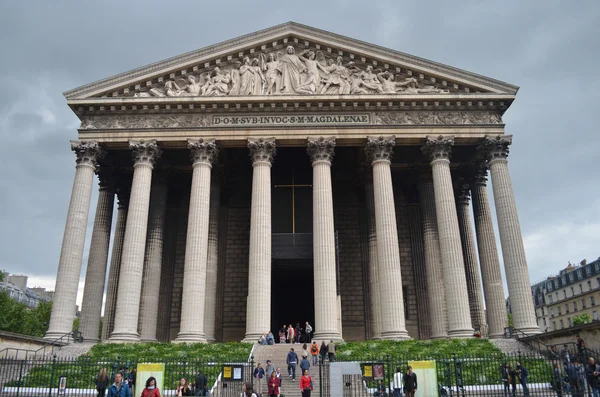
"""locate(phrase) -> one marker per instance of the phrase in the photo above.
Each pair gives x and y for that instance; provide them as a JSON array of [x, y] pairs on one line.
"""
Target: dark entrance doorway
[[292, 297]]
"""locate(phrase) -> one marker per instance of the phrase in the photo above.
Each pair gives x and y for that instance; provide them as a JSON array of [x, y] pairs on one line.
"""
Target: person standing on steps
[[410, 383], [290, 334], [331, 351], [304, 364], [308, 330], [298, 332], [314, 350], [278, 374], [269, 369], [273, 385], [323, 351], [306, 384], [304, 350], [259, 375], [291, 361]]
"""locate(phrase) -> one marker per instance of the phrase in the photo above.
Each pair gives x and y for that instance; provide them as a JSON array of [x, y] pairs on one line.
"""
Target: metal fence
[[454, 375], [54, 376]]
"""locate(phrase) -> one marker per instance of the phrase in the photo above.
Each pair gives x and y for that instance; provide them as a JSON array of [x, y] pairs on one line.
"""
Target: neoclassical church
[[292, 175]]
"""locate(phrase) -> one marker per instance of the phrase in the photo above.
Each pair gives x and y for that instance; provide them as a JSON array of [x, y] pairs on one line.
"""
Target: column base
[[439, 337], [251, 338], [91, 340], [123, 337], [191, 337], [532, 330], [327, 336], [461, 333], [53, 335], [149, 340], [395, 335], [496, 336], [210, 340]]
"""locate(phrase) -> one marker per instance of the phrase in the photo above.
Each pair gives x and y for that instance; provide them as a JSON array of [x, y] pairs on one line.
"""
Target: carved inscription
[[222, 121]]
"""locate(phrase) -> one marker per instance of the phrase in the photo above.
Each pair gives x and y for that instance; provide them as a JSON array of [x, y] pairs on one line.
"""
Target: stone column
[[210, 306], [373, 267], [493, 288], [149, 302], [380, 151], [203, 154], [321, 153], [110, 306], [513, 251], [434, 271], [457, 299], [71, 254], [134, 243], [470, 255], [93, 292], [258, 309]]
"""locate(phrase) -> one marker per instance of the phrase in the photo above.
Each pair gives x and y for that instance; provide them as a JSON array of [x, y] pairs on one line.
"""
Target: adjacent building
[[16, 287], [573, 292]]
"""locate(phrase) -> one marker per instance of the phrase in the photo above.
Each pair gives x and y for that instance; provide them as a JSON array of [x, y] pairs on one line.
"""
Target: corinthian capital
[[87, 152], [145, 152], [262, 149], [438, 148], [496, 147], [321, 149], [203, 151], [380, 148], [478, 171]]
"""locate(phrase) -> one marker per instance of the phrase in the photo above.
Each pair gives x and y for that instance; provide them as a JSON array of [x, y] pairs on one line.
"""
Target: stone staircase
[[277, 354]]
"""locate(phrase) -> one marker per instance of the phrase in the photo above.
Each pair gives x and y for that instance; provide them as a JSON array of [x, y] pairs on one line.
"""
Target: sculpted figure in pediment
[[235, 79], [258, 78], [291, 67], [247, 77], [219, 83], [412, 87], [270, 67], [338, 78], [370, 80], [315, 65]]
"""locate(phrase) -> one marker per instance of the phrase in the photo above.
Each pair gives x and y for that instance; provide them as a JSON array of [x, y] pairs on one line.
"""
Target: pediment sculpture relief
[[288, 73]]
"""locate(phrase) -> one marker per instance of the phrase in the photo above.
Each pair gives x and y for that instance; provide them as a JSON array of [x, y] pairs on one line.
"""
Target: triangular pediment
[[291, 59]]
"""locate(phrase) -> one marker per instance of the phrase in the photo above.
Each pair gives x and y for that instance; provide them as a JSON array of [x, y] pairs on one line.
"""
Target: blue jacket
[[123, 391], [304, 364], [292, 358]]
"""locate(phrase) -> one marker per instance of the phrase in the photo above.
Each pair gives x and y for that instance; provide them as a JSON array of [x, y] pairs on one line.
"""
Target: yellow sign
[[368, 371], [426, 378], [144, 372], [227, 373]]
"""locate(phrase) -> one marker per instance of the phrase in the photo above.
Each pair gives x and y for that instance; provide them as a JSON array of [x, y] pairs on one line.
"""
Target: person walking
[[397, 382], [323, 351], [290, 334], [101, 383], [581, 375], [269, 369], [573, 377], [183, 389], [410, 383], [304, 350], [119, 388], [308, 331], [557, 380], [259, 375], [592, 372], [306, 384], [273, 385], [580, 348], [505, 378], [523, 373], [278, 374], [291, 361], [298, 332], [201, 385], [331, 351], [304, 364], [151, 390], [314, 351]]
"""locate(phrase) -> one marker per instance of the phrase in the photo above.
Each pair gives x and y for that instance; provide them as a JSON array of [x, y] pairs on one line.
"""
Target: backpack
[[313, 348]]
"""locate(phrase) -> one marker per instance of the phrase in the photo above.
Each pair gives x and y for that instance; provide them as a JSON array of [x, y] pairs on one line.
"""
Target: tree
[[76, 324], [38, 319], [582, 319]]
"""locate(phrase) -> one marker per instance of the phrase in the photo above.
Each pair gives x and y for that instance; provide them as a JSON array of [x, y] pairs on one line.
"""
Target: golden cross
[[293, 186]]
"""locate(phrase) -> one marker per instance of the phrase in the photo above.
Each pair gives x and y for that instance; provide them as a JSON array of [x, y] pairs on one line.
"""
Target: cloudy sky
[[548, 48]]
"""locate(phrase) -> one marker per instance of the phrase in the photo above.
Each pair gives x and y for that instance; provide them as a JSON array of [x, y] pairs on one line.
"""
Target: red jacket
[[151, 393], [305, 382], [274, 384]]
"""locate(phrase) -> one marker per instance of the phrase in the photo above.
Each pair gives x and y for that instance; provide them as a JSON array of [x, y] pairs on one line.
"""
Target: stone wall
[[9, 340], [589, 332]]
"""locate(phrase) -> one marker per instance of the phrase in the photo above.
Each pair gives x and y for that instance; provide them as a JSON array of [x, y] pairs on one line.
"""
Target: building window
[[554, 325], [550, 298], [566, 307], [575, 305], [580, 288], [583, 303], [588, 270], [559, 312], [571, 277], [555, 283], [551, 312], [592, 301], [572, 291], [597, 266], [549, 286], [562, 324], [564, 294], [544, 319], [570, 322], [589, 285], [579, 274], [564, 280], [595, 315]]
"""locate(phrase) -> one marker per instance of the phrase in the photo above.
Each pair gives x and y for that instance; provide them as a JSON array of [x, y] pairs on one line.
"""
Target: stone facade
[[371, 250]]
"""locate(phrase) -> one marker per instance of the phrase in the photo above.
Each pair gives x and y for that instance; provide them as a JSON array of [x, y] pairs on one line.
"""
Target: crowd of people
[[288, 334], [124, 383]]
